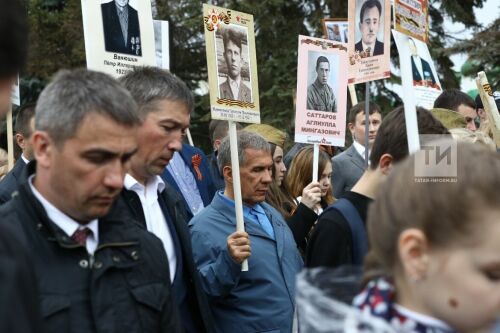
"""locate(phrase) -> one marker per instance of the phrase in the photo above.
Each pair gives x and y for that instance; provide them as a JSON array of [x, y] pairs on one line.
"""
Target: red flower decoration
[[196, 161]]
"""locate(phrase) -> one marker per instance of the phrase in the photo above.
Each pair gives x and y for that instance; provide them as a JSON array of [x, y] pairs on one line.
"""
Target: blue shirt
[[184, 179], [255, 214]]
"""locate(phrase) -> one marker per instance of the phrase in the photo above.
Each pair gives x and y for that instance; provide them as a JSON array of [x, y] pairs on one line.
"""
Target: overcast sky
[[485, 16]]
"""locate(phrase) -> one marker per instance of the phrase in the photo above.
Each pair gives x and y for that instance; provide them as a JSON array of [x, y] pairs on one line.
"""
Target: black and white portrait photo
[[121, 28], [321, 82], [233, 63], [370, 27]]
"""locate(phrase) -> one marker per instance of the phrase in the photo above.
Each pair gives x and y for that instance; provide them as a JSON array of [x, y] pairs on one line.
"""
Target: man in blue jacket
[[262, 299]]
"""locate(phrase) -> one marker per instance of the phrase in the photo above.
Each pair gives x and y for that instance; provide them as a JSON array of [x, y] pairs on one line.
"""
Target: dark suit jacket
[[347, 167], [19, 302], [113, 36], [205, 185], [426, 69], [244, 94], [12, 180], [379, 48], [217, 178], [175, 208]]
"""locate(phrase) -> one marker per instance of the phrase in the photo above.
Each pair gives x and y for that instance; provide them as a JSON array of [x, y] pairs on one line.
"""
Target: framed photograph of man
[[232, 65], [118, 35], [321, 92], [418, 73], [336, 29], [369, 40], [233, 68]]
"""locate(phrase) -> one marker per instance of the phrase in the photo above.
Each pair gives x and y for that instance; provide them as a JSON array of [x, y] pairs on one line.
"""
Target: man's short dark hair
[[392, 138], [217, 129], [451, 99], [320, 60], [360, 107], [13, 37], [25, 113], [150, 85], [232, 35], [367, 5]]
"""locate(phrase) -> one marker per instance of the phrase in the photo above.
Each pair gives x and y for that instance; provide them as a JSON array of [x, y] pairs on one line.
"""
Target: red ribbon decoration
[[196, 161]]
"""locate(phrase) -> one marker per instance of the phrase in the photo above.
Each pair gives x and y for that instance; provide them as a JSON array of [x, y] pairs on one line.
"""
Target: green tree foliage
[[57, 42]]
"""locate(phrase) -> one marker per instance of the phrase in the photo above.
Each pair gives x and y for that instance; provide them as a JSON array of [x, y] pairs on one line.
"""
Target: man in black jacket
[[19, 308], [339, 237], [165, 104], [95, 273], [25, 126]]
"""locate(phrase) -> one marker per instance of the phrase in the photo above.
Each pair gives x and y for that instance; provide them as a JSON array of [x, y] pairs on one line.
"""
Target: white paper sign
[[119, 35], [162, 44], [16, 96]]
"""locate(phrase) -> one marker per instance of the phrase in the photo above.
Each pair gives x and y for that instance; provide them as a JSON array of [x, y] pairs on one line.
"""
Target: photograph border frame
[[329, 19], [214, 18]]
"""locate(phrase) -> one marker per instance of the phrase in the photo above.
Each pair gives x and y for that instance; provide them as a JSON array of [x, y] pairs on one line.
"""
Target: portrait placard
[[336, 29], [369, 40], [412, 18], [232, 65], [320, 115], [15, 94], [118, 35], [162, 44], [418, 74]]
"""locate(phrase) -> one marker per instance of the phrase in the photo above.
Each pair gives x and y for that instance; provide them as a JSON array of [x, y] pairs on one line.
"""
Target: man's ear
[[413, 252], [385, 164], [43, 148], [227, 172], [20, 140], [351, 127], [217, 143]]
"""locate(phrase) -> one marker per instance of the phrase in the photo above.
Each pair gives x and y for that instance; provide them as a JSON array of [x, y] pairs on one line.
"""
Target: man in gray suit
[[349, 166], [234, 88]]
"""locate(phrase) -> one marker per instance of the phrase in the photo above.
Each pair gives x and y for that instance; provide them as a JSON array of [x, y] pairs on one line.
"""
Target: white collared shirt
[[360, 149], [153, 214], [235, 86], [25, 159], [66, 223]]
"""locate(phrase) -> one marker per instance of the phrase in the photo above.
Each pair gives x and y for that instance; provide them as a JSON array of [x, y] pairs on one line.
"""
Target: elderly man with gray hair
[[262, 299], [95, 271]]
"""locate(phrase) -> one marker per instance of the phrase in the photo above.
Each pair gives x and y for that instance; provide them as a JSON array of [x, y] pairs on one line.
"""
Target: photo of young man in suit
[[369, 25], [234, 87], [121, 28]]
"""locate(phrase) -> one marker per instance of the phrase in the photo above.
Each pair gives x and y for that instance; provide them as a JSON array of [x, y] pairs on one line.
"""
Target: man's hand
[[311, 195], [238, 245]]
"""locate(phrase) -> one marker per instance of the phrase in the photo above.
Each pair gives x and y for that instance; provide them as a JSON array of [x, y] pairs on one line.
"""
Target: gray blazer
[[348, 167]]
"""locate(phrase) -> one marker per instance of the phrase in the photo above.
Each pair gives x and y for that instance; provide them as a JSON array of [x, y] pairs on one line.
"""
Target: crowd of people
[[110, 222]]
